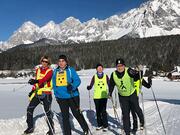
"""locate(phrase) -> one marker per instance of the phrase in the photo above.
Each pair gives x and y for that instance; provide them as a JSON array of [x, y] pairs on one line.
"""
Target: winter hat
[[99, 64], [120, 61], [63, 57]]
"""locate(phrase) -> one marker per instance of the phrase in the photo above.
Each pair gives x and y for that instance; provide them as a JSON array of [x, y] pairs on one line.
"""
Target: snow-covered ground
[[14, 101]]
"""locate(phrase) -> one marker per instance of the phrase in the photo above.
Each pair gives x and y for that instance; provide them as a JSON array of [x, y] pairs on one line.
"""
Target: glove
[[69, 88], [30, 93], [33, 81], [140, 67], [88, 87], [150, 80]]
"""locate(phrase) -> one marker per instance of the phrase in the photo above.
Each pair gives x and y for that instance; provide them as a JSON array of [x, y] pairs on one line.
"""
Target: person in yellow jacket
[[100, 81], [41, 93], [138, 84]]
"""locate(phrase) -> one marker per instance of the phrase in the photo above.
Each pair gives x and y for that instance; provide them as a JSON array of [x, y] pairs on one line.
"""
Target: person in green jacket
[[101, 83], [123, 78]]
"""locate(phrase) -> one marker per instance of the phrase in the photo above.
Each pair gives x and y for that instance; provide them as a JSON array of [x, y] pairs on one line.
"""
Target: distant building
[[175, 74]]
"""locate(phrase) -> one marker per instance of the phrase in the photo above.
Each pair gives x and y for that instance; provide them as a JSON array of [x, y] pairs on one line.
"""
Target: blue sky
[[13, 13]]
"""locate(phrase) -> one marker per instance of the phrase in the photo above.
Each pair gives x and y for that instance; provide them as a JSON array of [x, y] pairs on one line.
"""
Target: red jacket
[[45, 79]]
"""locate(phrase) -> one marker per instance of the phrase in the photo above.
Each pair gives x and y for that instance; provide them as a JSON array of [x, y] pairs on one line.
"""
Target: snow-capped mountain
[[152, 18], [26, 34]]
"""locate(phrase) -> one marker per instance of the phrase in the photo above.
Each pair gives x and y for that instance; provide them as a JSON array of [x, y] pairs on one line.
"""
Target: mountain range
[[152, 18]]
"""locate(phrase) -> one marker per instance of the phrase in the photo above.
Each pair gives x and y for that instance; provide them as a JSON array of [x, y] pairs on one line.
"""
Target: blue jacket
[[72, 78]]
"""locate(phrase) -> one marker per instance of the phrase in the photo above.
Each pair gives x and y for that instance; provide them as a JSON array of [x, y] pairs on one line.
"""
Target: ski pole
[[89, 99], [19, 88], [115, 112], [77, 106], [46, 116], [115, 98], [142, 99], [158, 110], [57, 115], [140, 87]]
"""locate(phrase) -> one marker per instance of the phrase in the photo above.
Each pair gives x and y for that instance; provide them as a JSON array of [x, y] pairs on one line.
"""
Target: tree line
[[158, 53]]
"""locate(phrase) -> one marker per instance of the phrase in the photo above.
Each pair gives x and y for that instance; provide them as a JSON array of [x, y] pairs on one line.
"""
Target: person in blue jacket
[[65, 86]]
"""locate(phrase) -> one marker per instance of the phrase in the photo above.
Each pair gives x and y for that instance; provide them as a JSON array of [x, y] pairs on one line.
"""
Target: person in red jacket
[[41, 93]]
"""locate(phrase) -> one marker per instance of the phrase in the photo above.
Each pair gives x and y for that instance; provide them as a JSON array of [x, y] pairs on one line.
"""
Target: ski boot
[[105, 129], [28, 131], [86, 132], [141, 126]]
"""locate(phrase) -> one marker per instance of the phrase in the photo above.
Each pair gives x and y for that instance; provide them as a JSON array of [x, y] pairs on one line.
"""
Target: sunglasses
[[44, 61]]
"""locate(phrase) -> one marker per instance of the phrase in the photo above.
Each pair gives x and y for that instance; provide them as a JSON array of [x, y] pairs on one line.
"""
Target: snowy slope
[[170, 113], [13, 103], [152, 18]]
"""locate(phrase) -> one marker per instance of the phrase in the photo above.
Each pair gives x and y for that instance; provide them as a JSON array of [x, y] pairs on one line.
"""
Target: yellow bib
[[125, 85], [61, 79], [100, 90], [137, 85]]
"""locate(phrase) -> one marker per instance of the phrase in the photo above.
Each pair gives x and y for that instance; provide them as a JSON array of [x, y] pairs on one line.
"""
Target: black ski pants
[[101, 113], [73, 104], [127, 103], [46, 101], [135, 120]]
